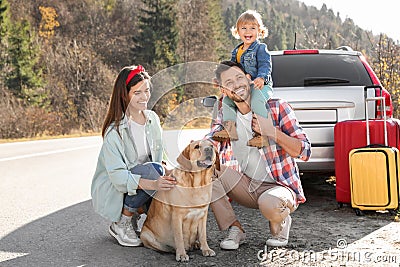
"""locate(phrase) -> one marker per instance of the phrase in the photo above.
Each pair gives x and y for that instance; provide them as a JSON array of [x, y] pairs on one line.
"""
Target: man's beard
[[237, 98]]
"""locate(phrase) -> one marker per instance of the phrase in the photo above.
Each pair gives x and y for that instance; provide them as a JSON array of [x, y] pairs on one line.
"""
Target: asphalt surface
[[46, 217]]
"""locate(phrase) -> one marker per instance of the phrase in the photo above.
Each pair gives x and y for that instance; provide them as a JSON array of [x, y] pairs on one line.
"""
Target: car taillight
[[385, 93], [371, 73], [388, 104], [300, 51]]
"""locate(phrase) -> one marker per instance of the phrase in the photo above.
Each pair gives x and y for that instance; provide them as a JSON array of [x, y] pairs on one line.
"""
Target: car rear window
[[318, 70]]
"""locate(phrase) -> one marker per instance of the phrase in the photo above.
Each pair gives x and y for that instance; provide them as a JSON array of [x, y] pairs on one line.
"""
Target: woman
[[129, 169]]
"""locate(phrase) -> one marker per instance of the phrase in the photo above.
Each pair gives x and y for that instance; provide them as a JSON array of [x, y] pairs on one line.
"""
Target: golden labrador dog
[[176, 221]]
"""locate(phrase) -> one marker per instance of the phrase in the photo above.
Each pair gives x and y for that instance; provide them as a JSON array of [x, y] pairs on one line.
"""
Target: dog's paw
[[182, 257], [196, 244], [208, 252]]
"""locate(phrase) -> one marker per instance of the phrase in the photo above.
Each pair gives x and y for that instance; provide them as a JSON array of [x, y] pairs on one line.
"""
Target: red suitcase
[[349, 135]]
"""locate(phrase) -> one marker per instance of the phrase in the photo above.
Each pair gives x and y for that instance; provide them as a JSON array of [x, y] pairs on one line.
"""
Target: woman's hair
[[127, 77], [251, 17]]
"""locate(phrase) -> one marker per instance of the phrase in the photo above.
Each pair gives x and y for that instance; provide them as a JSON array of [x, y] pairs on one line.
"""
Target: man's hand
[[263, 126], [259, 83]]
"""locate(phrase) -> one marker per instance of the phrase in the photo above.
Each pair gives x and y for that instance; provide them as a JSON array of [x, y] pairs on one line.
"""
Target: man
[[268, 179]]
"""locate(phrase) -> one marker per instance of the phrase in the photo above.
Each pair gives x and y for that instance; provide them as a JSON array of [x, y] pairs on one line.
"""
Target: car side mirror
[[209, 101]]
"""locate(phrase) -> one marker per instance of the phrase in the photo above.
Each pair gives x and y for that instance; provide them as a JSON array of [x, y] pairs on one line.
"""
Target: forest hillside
[[59, 58]]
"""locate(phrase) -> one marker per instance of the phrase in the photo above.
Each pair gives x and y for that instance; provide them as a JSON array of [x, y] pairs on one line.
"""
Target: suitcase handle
[[372, 86], [366, 91], [375, 146], [367, 99]]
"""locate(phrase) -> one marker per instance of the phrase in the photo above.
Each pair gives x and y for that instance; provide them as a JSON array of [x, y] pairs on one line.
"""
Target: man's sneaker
[[282, 238], [234, 239], [124, 233]]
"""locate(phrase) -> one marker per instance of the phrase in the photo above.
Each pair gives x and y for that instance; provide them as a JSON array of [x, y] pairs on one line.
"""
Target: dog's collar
[[182, 168]]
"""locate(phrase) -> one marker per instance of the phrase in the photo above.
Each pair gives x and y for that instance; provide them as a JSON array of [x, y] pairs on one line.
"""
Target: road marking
[[47, 153], [56, 140], [6, 256]]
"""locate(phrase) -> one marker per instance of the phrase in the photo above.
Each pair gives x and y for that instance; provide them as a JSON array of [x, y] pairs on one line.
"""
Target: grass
[[47, 137], [190, 125], [197, 123]]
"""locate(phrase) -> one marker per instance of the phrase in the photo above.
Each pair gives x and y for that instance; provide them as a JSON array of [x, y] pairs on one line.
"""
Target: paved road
[[46, 218]]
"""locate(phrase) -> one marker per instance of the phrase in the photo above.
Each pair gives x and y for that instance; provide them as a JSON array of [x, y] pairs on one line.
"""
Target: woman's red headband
[[134, 72]]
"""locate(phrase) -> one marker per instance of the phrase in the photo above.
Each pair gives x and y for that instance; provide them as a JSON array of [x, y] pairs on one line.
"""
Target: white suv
[[325, 87]]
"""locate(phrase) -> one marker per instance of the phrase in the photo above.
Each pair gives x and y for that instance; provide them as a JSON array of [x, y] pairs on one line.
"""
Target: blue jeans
[[150, 171]]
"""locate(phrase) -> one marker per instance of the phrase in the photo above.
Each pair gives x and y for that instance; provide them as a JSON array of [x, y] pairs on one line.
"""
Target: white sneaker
[[234, 239], [124, 233], [140, 221], [282, 238]]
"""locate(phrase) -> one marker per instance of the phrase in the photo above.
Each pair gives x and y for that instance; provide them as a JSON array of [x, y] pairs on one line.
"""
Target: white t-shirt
[[139, 138], [249, 158]]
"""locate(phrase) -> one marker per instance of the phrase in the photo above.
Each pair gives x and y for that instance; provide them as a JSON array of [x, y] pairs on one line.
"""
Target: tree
[[24, 79], [155, 38], [201, 38], [230, 15], [79, 83], [220, 38], [387, 67], [5, 26], [155, 43], [4, 20], [48, 23]]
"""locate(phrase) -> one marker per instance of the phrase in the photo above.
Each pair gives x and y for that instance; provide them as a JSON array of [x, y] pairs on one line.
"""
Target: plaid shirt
[[279, 164]]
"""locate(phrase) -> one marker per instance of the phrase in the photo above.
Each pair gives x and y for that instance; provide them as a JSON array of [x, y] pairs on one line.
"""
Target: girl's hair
[[251, 17], [127, 77]]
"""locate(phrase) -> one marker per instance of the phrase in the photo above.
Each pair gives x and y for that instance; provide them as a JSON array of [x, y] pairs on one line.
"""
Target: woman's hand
[[164, 183]]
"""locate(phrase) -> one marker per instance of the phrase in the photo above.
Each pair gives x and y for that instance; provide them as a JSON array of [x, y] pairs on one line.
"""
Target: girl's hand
[[165, 183], [259, 83]]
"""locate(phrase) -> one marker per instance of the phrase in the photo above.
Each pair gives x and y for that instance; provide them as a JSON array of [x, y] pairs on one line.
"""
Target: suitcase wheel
[[393, 212], [340, 205], [359, 212]]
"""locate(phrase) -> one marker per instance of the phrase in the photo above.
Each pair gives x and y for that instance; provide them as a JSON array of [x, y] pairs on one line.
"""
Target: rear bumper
[[322, 159]]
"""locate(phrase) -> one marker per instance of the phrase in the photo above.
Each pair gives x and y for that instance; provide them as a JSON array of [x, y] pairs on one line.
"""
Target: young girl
[[255, 59], [128, 170]]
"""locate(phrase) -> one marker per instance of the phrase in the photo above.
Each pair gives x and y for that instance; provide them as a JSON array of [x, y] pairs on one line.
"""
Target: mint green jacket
[[118, 155]]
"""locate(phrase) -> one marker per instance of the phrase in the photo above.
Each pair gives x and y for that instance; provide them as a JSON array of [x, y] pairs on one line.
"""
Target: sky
[[378, 16]]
